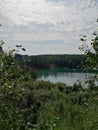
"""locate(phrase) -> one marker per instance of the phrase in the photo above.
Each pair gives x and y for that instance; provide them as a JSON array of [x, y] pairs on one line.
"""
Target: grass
[[59, 110]]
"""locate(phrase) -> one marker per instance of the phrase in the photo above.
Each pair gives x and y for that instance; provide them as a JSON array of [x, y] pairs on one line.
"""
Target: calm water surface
[[68, 78]]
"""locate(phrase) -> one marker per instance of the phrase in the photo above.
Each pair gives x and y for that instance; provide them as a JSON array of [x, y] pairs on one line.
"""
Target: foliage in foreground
[[12, 90]]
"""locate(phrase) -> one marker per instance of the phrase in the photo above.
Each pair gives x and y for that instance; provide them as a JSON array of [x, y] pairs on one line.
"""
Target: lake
[[67, 77]]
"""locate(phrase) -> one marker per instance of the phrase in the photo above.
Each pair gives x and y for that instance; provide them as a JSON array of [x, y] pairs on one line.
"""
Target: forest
[[52, 61]]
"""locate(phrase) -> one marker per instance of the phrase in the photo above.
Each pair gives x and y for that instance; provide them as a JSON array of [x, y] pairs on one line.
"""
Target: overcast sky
[[47, 26]]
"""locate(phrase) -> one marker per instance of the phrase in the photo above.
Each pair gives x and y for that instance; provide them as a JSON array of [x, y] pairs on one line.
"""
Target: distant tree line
[[52, 61]]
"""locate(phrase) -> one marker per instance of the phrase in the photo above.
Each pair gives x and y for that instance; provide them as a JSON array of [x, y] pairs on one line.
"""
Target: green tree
[[11, 89], [92, 56]]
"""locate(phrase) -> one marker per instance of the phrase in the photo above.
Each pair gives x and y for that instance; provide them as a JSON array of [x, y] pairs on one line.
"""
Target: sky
[[47, 26]]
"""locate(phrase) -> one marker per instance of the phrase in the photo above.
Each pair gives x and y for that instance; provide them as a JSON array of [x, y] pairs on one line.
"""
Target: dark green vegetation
[[26, 104], [52, 61]]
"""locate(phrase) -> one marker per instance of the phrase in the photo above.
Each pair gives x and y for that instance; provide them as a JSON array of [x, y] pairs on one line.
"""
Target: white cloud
[[29, 20], [27, 11]]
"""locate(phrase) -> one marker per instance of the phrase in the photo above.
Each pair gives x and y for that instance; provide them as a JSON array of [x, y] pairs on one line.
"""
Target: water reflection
[[68, 78]]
